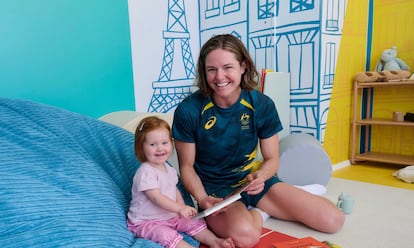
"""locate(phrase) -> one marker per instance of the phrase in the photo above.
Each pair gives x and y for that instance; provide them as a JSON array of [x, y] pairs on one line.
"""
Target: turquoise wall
[[74, 54]]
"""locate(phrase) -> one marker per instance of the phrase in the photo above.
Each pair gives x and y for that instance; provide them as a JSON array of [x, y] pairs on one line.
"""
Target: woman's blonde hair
[[145, 126], [232, 44]]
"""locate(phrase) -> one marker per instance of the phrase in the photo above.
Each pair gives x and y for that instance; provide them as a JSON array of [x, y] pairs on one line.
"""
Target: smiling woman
[[217, 156]]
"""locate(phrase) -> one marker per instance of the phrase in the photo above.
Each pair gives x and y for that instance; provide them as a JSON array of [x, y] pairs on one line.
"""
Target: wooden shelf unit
[[367, 121]]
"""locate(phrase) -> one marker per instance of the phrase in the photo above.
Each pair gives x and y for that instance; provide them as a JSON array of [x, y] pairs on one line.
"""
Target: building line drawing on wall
[[300, 37], [169, 90]]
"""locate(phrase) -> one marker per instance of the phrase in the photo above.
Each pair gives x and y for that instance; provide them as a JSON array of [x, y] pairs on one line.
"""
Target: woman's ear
[[243, 67]]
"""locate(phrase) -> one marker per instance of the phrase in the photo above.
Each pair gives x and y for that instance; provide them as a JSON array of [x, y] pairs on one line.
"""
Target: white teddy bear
[[390, 62]]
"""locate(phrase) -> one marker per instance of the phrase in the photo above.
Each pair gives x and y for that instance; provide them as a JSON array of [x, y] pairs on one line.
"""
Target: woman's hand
[[257, 182], [208, 202]]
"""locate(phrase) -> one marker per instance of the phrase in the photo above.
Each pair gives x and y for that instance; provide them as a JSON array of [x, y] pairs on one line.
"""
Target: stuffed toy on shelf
[[390, 62]]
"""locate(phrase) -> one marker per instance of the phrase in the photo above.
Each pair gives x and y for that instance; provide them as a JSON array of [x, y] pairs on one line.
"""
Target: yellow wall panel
[[393, 24], [351, 59]]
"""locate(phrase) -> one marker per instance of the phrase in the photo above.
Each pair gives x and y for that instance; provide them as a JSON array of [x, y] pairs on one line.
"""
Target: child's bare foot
[[208, 238], [222, 243]]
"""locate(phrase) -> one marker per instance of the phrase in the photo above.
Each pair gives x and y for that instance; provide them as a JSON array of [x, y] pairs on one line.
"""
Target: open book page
[[232, 197]]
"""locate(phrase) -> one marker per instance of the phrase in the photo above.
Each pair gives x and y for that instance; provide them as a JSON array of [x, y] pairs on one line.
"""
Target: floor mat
[[377, 173]]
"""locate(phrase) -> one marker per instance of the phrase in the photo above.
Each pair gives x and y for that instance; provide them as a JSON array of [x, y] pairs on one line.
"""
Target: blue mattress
[[65, 179]]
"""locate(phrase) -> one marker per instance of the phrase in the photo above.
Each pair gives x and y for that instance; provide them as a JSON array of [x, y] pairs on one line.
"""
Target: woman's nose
[[220, 73]]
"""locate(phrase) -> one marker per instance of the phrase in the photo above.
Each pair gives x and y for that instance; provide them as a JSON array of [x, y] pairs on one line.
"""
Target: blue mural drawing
[[168, 90], [300, 37]]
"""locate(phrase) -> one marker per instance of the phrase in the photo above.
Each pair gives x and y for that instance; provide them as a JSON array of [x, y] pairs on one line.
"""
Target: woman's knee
[[338, 222], [246, 237], [334, 222]]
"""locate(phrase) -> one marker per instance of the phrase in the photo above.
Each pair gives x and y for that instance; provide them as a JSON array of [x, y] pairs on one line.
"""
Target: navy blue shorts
[[252, 200], [249, 200]]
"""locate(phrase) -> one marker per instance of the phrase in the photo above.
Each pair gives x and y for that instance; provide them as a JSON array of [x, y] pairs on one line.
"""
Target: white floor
[[382, 217]]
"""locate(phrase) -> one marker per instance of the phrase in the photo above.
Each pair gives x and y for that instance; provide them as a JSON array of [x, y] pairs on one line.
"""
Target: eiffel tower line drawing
[[169, 92]]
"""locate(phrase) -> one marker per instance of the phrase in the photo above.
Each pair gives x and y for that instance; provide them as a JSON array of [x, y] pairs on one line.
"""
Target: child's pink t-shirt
[[147, 177]]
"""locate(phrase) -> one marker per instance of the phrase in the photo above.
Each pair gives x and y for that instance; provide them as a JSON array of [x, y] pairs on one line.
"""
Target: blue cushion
[[65, 179]]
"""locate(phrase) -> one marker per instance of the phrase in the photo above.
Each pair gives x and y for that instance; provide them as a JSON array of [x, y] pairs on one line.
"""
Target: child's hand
[[187, 211]]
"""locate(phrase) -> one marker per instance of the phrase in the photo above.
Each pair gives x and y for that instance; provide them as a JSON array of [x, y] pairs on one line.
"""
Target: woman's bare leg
[[287, 202], [243, 226]]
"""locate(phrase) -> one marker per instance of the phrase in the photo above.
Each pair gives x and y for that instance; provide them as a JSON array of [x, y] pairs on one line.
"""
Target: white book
[[234, 196]]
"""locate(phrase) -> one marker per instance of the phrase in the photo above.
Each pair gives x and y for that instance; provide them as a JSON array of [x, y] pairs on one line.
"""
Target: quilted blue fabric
[[65, 179]]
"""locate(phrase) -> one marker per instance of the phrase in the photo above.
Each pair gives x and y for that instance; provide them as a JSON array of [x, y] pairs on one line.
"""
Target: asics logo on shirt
[[210, 123]]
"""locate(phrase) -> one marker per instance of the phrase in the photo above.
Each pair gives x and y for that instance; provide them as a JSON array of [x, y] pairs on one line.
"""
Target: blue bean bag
[[65, 179]]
